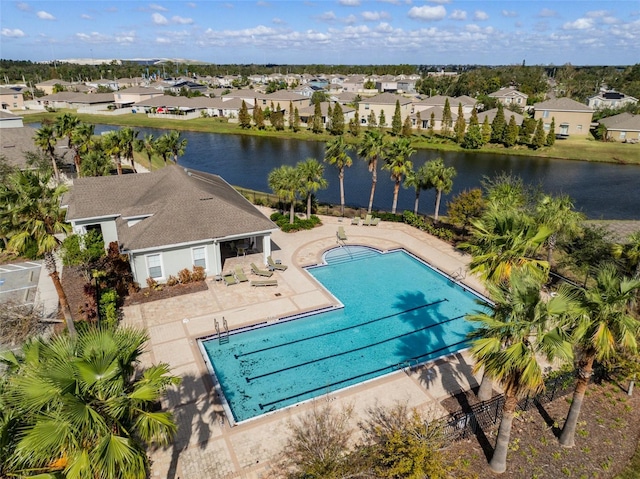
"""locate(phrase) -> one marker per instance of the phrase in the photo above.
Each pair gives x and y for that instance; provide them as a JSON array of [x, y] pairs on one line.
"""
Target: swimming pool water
[[397, 312]]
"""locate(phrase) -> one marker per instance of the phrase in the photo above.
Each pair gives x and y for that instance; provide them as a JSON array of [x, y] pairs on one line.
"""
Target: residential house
[[383, 102], [571, 117], [306, 113], [510, 96], [128, 96], [624, 127], [610, 99], [422, 118], [468, 104], [11, 99], [491, 114], [283, 98], [344, 98], [48, 85], [9, 120], [67, 99], [168, 220], [222, 106], [104, 83], [387, 83], [168, 104]]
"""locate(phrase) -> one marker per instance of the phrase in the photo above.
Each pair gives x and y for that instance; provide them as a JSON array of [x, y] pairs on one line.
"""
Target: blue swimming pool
[[396, 311]]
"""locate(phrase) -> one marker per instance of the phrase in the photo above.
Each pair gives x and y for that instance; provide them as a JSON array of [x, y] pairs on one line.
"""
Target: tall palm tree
[[36, 220], [127, 138], [148, 145], [604, 326], [630, 251], [286, 183], [520, 327], [371, 149], [83, 142], [336, 155], [95, 163], [83, 408], [175, 144], [398, 163], [505, 241], [162, 147], [311, 175], [417, 180], [558, 215], [112, 147], [45, 139], [64, 126], [440, 178]]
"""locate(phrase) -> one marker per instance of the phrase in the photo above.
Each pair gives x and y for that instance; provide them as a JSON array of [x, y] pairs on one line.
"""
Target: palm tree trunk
[[485, 391], [50, 265], [56, 172], [309, 206], [341, 177], [438, 196], [396, 190], [374, 180], [119, 164], [415, 204], [499, 459], [550, 247], [76, 161], [292, 211], [568, 435]]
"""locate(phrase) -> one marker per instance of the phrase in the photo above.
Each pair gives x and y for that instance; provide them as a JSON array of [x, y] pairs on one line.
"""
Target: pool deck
[[206, 445]]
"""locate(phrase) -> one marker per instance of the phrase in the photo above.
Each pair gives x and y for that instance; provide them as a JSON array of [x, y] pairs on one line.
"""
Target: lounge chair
[[229, 279], [341, 235], [239, 274], [355, 221], [367, 221], [264, 282], [260, 272], [273, 265], [375, 221]]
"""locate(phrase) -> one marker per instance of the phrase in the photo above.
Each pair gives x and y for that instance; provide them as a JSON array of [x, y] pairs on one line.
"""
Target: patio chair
[[341, 235], [264, 282], [239, 274], [229, 279], [355, 221], [273, 265], [260, 272], [367, 221], [375, 221]]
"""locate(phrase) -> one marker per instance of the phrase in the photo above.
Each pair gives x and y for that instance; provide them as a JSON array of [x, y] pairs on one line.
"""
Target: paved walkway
[[206, 446]]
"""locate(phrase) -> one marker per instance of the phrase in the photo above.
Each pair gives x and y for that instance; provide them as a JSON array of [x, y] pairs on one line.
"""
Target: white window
[[199, 257], [578, 127], [366, 106], [545, 114], [623, 135], [547, 126], [154, 265]]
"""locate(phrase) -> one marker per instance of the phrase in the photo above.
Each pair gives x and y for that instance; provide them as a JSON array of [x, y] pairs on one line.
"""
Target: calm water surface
[[600, 190]]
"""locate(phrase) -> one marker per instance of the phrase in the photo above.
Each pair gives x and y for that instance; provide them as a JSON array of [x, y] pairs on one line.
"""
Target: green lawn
[[572, 149]]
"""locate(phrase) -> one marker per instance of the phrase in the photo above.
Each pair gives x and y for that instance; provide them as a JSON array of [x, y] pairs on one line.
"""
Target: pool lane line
[[352, 350], [262, 406], [340, 330]]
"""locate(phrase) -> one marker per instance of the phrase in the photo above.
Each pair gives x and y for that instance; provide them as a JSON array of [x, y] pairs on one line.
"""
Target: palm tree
[[45, 139], [162, 148], [64, 126], [174, 144], [440, 178], [520, 327], [398, 163], [36, 220], [95, 163], [311, 174], [558, 215], [286, 183], [505, 241], [127, 139], [336, 155], [112, 147], [605, 326], [82, 141], [630, 252], [83, 407], [418, 180], [372, 149], [148, 145]]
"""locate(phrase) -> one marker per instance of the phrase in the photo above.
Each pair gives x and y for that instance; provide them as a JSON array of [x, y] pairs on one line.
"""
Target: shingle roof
[[622, 122], [491, 114], [562, 104], [184, 206], [387, 99]]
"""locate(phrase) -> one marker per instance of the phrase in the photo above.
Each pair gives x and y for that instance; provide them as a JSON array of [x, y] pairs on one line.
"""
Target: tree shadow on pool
[[196, 408]]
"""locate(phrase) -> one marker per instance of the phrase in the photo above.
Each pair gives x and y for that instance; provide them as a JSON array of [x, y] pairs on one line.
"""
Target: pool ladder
[[223, 336]]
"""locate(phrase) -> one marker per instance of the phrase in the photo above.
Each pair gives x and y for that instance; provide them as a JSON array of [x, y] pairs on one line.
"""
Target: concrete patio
[[206, 445]]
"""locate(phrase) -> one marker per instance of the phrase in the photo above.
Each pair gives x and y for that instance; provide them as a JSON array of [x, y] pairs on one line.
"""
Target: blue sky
[[328, 32]]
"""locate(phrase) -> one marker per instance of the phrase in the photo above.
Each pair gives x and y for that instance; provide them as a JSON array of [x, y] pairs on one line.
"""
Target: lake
[[600, 190]]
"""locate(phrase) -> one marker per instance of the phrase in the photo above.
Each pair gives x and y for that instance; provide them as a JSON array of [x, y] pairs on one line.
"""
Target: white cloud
[[579, 24], [278, 21], [23, 6], [94, 37], [480, 15], [191, 5], [328, 16], [374, 16], [546, 12], [159, 19], [428, 13], [12, 33], [84, 16], [42, 15], [384, 27], [610, 20], [126, 37], [181, 20], [350, 3], [596, 13], [350, 20], [440, 1], [509, 13], [159, 8], [458, 15], [163, 40]]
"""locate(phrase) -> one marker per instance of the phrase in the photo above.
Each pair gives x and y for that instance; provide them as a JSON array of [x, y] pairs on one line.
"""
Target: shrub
[[198, 274], [153, 284], [393, 217], [420, 223], [298, 223], [184, 276], [172, 281], [109, 307]]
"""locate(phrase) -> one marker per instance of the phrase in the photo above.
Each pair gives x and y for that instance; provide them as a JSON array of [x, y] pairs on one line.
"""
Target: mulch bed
[[147, 295], [607, 435]]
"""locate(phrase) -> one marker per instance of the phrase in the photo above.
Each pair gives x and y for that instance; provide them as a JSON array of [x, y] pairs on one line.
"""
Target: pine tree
[[354, 125], [258, 117], [539, 138], [337, 120], [498, 126], [526, 130], [316, 124], [383, 120], [472, 139], [473, 121], [296, 119], [277, 120], [244, 119], [291, 116], [419, 123], [486, 131], [432, 124], [447, 119], [460, 125], [511, 133], [371, 120], [329, 123], [396, 122], [551, 135], [406, 128]]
